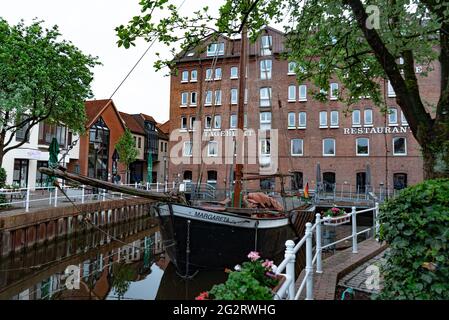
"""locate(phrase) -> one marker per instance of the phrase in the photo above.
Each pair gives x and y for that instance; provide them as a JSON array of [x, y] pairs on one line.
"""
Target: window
[[297, 180], [192, 122], [234, 72], [356, 118], [328, 147], [184, 98], [185, 76], [208, 122], [302, 117], [20, 132], [218, 74], [183, 122], [217, 97], [245, 120], [233, 121], [187, 150], [215, 49], [392, 116], [245, 98], [193, 76], [391, 93], [139, 142], [303, 92], [291, 68], [399, 181], [265, 147], [98, 156], [334, 91], [217, 122], [291, 93], [291, 120], [399, 146], [265, 97], [323, 119], [20, 173], [208, 100], [265, 120], [265, 69], [187, 177], [403, 120], [212, 177], [296, 147], [208, 74], [266, 45], [234, 96], [212, 149], [362, 146], [41, 178], [193, 96], [368, 117], [334, 119]]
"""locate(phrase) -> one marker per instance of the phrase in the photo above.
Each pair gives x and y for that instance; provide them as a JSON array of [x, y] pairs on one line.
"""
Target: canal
[[124, 261]]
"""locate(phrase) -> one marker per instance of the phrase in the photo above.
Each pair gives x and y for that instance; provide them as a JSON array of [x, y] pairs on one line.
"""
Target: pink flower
[[267, 264], [254, 255], [202, 296], [335, 210]]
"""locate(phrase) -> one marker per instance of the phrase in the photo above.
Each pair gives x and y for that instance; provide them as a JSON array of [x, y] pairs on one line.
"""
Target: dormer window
[[215, 49], [266, 45]]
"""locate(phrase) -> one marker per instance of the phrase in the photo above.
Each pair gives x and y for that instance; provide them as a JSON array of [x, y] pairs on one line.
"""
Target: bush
[[2, 184], [416, 226]]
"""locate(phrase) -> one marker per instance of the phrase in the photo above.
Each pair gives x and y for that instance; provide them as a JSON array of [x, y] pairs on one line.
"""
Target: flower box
[[336, 221]]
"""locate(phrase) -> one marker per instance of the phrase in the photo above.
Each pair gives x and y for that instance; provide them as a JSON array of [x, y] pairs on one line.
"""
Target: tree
[[42, 78], [362, 45], [127, 151]]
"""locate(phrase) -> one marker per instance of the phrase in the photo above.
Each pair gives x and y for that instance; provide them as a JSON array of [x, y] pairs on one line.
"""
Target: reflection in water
[[108, 269]]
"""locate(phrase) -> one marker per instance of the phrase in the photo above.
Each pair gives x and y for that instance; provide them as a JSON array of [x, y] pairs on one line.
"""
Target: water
[[124, 262]]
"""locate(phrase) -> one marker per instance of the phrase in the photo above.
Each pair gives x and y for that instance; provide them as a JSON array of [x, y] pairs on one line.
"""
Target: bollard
[[135, 185], [157, 186], [148, 186], [290, 267], [309, 262], [56, 197], [319, 263], [49, 196], [27, 203], [354, 230], [104, 194], [376, 219], [82, 193]]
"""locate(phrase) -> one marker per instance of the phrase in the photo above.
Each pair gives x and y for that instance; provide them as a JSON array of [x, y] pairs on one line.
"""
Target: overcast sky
[[90, 25]]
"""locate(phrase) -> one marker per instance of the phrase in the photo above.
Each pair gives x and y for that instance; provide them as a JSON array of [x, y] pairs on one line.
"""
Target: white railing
[[288, 289], [53, 197]]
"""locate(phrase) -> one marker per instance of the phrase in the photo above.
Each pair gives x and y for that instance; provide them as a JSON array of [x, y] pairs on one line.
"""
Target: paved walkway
[[339, 265]]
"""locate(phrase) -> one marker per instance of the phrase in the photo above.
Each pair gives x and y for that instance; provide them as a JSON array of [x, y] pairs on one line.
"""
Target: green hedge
[[2, 184], [416, 226]]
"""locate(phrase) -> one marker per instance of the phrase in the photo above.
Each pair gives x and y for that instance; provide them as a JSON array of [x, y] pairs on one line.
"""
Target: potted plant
[[253, 280], [335, 217]]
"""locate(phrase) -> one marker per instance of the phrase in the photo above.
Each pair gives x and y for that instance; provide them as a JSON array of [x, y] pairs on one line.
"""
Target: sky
[[90, 25]]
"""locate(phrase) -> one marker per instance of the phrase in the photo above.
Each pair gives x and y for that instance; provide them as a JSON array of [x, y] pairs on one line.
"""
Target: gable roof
[[164, 127], [147, 117], [94, 109], [132, 124]]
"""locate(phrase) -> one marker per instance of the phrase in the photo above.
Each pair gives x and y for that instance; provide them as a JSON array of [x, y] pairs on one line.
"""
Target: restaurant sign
[[376, 130]]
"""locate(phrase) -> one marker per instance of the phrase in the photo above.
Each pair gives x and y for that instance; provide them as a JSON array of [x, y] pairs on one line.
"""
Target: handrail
[[288, 290]]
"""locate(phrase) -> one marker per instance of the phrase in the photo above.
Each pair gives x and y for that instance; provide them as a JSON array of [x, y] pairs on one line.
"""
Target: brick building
[[355, 149]]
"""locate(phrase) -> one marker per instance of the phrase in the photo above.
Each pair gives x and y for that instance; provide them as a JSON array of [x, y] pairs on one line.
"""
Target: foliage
[[415, 224], [42, 78], [2, 184], [252, 280], [126, 148], [122, 276], [362, 44], [334, 212]]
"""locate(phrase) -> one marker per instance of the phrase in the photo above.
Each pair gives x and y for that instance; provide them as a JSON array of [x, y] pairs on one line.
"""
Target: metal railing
[[314, 253], [353, 193]]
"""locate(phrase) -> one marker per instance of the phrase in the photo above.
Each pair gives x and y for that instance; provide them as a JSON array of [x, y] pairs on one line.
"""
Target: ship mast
[[240, 120]]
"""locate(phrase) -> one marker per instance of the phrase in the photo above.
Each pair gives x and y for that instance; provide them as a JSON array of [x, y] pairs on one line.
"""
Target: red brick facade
[[345, 164]]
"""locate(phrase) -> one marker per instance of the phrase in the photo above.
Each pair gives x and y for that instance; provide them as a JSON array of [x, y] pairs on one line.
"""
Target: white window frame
[[355, 123], [234, 95], [192, 77], [335, 148], [193, 103], [393, 111], [265, 90], [266, 67], [185, 148], [209, 94], [334, 124], [185, 76], [292, 93], [291, 68], [231, 121], [391, 93], [291, 120], [357, 147], [218, 73], [217, 101], [184, 118], [264, 144], [236, 76], [209, 145], [302, 97], [300, 124], [403, 120], [266, 46], [215, 49], [333, 91], [245, 98], [291, 147], [208, 122], [184, 99], [217, 122], [192, 122], [323, 119], [405, 146], [263, 120], [209, 74], [367, 123]]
